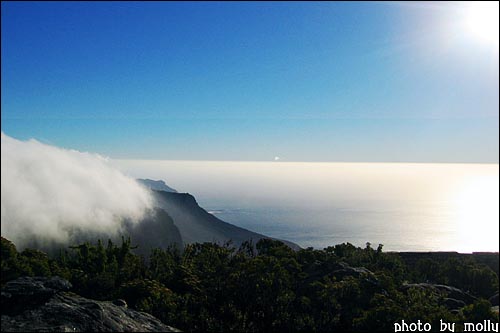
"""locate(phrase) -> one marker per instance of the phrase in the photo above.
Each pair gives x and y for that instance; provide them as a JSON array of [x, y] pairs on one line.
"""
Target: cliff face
[[176, 219], [196, 225], [157, 230], [44, 305]]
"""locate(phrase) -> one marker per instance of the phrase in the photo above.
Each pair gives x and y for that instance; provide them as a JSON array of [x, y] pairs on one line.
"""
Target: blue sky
[[373, 82]]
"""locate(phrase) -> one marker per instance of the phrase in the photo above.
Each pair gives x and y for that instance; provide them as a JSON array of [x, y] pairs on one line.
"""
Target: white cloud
[[48, 192]]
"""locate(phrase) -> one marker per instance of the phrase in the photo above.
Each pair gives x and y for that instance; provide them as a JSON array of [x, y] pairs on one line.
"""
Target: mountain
[[157, 229], [176, 219], [158, 185], [196, 225]]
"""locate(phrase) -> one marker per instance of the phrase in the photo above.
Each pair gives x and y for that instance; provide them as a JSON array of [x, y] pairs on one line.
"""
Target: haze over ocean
[[300, 86], [405, 206]]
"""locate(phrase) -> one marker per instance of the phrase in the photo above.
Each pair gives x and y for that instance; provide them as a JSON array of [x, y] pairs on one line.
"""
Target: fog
[[48, 193], [51, 193]]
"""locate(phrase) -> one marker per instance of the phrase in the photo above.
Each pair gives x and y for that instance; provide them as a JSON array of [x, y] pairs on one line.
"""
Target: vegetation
[[266, 287]]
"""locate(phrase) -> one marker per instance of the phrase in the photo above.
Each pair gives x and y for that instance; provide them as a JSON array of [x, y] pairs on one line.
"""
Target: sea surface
[[404, 206]]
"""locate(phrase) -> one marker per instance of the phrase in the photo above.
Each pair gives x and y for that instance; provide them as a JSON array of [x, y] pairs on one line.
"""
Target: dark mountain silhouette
[[196, 225], [157, 229], [176, 220], [158, 185]]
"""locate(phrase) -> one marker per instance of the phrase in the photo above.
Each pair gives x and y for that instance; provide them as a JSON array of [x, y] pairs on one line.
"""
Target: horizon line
[[289, 161]]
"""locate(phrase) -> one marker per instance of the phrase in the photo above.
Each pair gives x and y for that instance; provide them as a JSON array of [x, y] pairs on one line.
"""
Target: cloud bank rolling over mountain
[[49, 192]]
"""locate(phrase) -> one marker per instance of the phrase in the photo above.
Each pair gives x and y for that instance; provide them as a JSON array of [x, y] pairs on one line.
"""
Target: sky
[[295, 81]]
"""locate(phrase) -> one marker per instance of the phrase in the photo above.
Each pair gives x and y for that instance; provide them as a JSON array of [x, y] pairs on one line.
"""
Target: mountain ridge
[[158, 185], [176, 219], [196, 225]]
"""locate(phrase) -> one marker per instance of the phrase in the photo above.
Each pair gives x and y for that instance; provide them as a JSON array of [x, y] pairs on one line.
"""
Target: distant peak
[[158, 185]]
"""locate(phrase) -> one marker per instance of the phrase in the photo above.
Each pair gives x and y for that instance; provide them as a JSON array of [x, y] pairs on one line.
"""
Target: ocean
[[404, 206]]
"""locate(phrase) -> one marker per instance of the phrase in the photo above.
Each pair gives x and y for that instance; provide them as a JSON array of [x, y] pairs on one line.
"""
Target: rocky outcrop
[[346, 270], [454, 296], [453, 304], [45, 305], [339, 270]]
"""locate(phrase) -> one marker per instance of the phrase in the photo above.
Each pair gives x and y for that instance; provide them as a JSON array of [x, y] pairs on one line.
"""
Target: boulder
[[448, 291], [44, 304], [345, 270], [30, 292], [453, 304]]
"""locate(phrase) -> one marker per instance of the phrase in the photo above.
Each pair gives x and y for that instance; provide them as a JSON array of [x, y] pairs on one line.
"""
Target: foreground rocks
[[454, 297], [45, 305]]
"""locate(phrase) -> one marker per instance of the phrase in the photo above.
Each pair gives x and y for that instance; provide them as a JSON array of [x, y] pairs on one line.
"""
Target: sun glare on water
[[476, 208]]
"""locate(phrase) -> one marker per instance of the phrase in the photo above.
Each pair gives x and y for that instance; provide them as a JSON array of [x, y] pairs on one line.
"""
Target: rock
[[340, 270], [120, 302], [453, 304], [33, 286], [494, 299], [43, 304], [30, 292], [448, 291], [346, 270]]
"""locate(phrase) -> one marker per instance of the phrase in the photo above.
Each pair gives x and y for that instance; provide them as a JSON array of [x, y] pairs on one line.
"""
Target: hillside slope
[[196, 225]]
